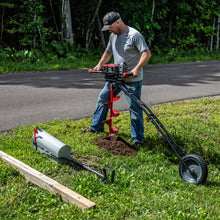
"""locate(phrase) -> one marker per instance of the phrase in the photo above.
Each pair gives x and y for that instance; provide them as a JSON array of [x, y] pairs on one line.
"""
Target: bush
[[62, 56]]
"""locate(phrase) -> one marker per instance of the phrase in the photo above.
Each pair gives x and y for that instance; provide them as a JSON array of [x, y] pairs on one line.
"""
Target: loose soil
[[115, 145]]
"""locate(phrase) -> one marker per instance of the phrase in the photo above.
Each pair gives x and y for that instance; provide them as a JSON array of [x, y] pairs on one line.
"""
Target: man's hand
[[98, 67], [106, 56], [145, 56], [135, 72]]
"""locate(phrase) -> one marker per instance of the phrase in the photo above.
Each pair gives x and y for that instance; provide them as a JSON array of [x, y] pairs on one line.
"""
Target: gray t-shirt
[[127, 48]]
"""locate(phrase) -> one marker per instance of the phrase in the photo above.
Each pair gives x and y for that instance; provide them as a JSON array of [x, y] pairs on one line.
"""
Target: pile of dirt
[[115, 145]]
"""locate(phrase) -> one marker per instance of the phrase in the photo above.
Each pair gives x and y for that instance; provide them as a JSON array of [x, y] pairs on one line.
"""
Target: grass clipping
[[115, 145]]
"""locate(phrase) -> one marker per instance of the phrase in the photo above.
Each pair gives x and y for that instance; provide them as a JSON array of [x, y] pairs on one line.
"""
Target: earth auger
[[113, 113], [192, 167]]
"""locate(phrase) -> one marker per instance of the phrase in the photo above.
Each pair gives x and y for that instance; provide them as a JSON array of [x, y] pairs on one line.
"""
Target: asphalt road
[[33, 97]]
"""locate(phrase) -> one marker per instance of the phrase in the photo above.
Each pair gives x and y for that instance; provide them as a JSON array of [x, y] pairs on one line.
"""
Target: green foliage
[[66, 49], [26, 28], [62, 56], [6, 5], [57, 56], [146, 186], [174, 24]]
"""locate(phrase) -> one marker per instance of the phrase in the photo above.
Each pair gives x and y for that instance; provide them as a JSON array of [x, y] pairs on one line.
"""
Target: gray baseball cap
[[109, 19]]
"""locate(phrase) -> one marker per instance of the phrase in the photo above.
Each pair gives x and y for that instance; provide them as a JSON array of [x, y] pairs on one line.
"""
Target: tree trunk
[[34, 40], [91, 26], [2, 29], [217, 34], [66, 26], [152, 12], [41, 40], [152, 16], [170, 27], [54, 20], [101, 32], [212, 37]]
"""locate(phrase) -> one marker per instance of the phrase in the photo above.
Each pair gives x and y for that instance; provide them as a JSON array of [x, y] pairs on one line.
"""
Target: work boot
[[88, 130], [136, 144]]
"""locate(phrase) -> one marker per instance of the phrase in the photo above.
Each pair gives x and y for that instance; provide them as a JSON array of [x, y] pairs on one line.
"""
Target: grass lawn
[[147, 186]]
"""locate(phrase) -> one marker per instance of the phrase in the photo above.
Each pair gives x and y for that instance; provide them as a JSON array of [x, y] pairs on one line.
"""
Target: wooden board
[[45, 182]]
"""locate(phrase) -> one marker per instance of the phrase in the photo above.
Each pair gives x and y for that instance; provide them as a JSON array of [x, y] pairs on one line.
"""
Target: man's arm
[[106, 56], [145, 56]]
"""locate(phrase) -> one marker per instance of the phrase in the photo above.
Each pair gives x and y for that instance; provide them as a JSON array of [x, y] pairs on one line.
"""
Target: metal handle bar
[[104, 169], [109, 73], [95, 71]]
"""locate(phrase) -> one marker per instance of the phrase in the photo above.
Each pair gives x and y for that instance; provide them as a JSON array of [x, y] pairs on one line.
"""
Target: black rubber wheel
[[198, 167]]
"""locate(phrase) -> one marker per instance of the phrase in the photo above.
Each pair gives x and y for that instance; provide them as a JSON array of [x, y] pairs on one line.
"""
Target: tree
[[217, 34], [54, 20], [91, 25], [4, 6], [182, 24], [66, 22]]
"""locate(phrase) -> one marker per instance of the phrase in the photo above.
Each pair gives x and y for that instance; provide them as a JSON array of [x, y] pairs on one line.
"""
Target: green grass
[[147, 186], [45, 63]]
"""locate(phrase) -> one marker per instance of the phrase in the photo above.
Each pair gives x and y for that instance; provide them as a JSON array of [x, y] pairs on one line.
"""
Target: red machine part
[[113, 113], [35, 133]]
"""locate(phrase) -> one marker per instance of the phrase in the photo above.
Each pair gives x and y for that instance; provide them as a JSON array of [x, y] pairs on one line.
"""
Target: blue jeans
[[136, 113]]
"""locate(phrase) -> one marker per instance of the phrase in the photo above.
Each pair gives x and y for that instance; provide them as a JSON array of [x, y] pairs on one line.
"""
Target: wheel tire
[[196, 164]]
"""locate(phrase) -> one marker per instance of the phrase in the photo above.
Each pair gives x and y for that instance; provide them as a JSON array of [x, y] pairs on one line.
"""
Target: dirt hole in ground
[[115, 145]]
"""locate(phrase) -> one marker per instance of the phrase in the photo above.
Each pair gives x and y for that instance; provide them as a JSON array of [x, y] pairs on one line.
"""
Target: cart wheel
[[198, 167]]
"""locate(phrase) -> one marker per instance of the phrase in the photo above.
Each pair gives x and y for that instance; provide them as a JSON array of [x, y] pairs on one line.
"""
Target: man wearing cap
[[127, 45]]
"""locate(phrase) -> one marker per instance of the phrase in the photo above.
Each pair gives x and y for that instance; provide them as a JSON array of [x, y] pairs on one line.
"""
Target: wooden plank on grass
[[45, 182]]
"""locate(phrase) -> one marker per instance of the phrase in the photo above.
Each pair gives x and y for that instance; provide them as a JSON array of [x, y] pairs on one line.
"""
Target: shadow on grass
[[212, 183], [157, 144]]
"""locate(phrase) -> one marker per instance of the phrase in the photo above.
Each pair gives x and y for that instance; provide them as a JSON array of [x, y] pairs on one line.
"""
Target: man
[[128, 46]]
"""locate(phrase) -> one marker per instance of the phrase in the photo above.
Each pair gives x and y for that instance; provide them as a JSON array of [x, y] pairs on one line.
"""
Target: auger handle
[[95, 71], [127, 74]]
